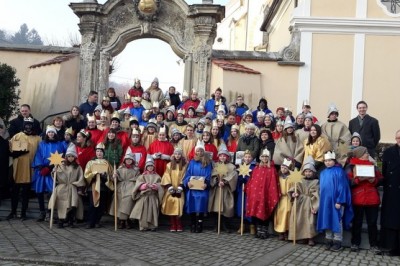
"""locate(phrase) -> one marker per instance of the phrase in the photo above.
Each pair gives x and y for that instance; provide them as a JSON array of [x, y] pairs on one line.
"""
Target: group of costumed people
[[156, 152]]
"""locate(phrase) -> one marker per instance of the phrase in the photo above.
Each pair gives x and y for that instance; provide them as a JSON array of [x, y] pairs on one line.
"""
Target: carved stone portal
[[106, 30]]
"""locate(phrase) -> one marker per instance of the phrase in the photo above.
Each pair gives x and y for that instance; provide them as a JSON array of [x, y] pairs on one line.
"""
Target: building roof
[[56, 60], [38, 48], [245, 55], [232, 66]]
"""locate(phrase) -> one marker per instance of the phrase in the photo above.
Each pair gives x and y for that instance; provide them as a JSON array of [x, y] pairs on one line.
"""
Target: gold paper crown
[[100, 146], [287, 162], [156, 104], [137, 80], [136, 99], [135, 132], [265, 152], [214, 123], [90, 117], [247, 152], [104, 113], [162, 130], [185, 94], [133, 118], [69, 131], [181, 111], [105, 98], [248, 112], [235, 127], [220, 117], [115, 116], [84, 132], [221, 108], [207, 129], [127, 96]]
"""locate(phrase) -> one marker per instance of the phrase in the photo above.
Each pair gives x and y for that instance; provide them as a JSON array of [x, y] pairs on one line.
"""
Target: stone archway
[[107, 29]]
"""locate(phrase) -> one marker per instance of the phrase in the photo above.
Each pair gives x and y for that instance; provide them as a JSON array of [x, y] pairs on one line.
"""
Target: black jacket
[[390, 216], [370, 132], [17, 125]]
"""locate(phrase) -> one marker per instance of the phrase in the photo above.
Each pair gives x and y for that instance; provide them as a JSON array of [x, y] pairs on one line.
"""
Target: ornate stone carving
[[146, 28], [147, 9], [292, 51]]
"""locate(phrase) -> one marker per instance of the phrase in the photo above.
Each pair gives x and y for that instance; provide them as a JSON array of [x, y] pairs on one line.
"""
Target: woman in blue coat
[[196, 204], [42, 181]]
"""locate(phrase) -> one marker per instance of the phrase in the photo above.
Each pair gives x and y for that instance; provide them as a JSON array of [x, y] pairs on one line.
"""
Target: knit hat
[[331, 109], [288, 123], [309, 164], [356, 135], [359, 151], [309, 116], [51, 128], [155, 80], [149, 161], [224, 151], [129, 154], [175, 131], [71, 150]]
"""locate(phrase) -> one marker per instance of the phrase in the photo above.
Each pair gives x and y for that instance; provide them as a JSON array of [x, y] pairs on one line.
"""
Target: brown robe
[[308, 198], [288, 149], [147, 202], [65, 195], [126, 181], [227, 197]]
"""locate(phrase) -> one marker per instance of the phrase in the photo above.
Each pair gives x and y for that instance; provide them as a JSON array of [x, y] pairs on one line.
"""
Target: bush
[[9, 92]]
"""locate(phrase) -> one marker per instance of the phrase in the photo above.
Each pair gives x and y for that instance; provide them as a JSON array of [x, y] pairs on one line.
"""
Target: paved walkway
[[32, 243]]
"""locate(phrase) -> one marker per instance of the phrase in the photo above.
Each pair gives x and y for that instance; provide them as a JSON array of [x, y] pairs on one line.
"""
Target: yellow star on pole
[[221, 169], [295, 176], [55, 158], [244, 169]]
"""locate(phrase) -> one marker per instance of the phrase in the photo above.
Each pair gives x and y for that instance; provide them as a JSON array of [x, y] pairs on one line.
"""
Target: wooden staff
[[53, 198], [219, 205], [295, 214], [241, 219], [115, 200]]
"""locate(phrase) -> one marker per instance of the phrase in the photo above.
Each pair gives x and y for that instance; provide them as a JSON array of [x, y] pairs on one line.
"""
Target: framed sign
[[197, 182], [100, 167], [364, 170], [19, 145], [239, 157]]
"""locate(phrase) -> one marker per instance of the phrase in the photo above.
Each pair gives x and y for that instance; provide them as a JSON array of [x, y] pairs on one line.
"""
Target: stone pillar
[[104, 68], [205, 18], [89, 26]]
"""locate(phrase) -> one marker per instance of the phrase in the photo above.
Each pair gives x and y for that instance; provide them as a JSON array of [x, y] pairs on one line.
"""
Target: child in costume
[[97, 174], [282, 214], [173, 200], [335, 210], [126, 176], [147, 196], [42, 181], [196, 203], [223, 185], [243, 178], [263, 194], [65, 197], [307, 204]]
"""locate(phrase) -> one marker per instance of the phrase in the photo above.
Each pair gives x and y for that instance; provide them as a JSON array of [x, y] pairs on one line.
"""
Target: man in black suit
[[367, 127], [16, 125]]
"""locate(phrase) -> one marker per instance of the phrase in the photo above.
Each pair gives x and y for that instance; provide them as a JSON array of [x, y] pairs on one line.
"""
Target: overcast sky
[[56, 23]]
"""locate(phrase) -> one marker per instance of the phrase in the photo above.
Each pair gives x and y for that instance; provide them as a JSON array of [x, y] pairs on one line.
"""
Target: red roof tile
[[232, 66], [55, 60]]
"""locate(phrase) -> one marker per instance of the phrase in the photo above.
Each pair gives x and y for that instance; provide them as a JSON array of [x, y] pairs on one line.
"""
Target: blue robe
[[44, 183], [242, 179], [197, 200], [334, 188], [137, 112]]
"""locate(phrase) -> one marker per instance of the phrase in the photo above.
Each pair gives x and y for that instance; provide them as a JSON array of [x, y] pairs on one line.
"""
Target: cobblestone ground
[[32, 243]]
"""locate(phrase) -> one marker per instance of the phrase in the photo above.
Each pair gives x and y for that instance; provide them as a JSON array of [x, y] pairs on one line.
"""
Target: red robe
[[126, 105], [208, 147], [190, 103], [135, 92], [96, 135], [232, 145], [163, 147], [85, 155], [142, 150], [262, 192]]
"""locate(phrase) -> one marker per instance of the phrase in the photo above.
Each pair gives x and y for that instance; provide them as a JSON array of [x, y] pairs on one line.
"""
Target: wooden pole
[[241, 219], [54, 198], [115, 201], [219, 206], [295, 214]]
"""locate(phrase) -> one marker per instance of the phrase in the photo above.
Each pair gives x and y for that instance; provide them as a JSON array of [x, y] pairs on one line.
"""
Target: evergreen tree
[[26, 36], [9, 92]]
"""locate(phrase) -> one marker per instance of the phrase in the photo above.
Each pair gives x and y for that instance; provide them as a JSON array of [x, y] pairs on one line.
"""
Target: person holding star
[[42, 181]]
